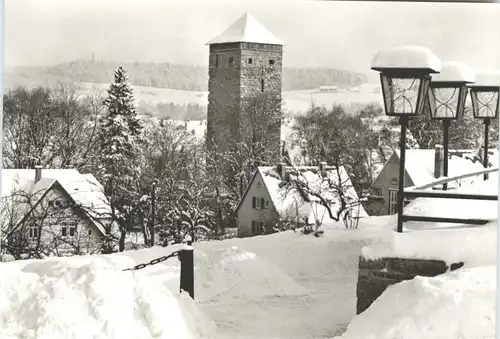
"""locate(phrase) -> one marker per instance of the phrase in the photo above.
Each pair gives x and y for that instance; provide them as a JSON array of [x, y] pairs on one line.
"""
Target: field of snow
[[285, 285], [293, 100]]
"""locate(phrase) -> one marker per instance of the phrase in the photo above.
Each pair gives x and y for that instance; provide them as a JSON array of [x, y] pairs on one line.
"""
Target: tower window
[[271, 61], [262, 85], [250, 61], [216, 61]]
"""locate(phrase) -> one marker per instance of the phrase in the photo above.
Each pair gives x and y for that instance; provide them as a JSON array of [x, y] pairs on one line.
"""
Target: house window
[[231, 60], [258, 203], [393, 201], [89, 232], [394, 181], [250, 61], [68, 228], [33, 232], [216, 61], [271, 61], [377, 191], [257, 227], [72, 230], [262, 85]]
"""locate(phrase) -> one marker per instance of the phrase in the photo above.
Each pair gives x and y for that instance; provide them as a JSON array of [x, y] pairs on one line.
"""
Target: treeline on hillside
[[170, 110], [167, 75]]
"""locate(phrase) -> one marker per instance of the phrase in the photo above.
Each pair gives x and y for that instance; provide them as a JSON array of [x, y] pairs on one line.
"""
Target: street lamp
[[485, 104], [447, 95], [405, 78]]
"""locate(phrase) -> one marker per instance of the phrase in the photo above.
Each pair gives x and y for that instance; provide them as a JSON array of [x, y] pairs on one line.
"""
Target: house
[[273, 199], [53, 211], [422, 166], [328, 89]]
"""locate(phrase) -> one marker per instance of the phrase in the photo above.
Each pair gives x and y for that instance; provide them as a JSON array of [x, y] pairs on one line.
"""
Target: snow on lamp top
[[491, 79], [454, 71], [407, 57]]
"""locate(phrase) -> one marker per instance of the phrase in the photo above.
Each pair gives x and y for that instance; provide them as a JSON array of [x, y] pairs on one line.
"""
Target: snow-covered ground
[[285, 285], [459, 304]]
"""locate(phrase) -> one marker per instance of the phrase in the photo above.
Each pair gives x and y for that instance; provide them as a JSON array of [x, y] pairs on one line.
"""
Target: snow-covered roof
[[454, 71], [487, 80], [287, 199], [419, 164], [246, 29], [84, 189], [409, 57]]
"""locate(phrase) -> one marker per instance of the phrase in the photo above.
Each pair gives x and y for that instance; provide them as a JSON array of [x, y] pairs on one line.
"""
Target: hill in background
[[167, 75]]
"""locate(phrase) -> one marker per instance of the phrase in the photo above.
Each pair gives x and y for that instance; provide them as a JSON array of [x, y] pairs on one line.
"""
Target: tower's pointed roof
[[246, 29]]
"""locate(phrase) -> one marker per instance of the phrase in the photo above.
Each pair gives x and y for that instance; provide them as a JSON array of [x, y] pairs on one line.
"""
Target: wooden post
[[186, 257], [153, 212]]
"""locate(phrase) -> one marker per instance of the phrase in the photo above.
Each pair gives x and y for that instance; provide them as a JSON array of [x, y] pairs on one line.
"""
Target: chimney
[[322, 167], [438, 161], [38, 173], [281, 170]]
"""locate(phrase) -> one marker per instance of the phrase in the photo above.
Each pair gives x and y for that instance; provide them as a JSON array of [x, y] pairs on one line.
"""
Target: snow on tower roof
[[454, 71], [246, 29], [487, 79], [409, 57]]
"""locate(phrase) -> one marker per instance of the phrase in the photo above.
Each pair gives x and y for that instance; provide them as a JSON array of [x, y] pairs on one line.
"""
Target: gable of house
[[69, 208], [290, 204], [256, 211], [389, 176]]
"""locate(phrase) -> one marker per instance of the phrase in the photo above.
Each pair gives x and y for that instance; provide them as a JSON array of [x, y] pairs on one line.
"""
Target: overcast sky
[[317, 33]]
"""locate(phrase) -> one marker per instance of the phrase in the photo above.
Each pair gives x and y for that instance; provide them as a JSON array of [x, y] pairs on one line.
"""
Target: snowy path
[[326, 268]]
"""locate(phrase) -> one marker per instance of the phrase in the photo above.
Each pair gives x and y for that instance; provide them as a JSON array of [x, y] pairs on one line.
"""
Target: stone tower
[[245, 83]]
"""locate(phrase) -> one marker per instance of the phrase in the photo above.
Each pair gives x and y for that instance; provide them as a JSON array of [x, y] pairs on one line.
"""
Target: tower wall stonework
[[240, 76]]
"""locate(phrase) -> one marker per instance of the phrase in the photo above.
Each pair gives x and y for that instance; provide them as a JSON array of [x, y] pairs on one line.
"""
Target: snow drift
[[460, 304], [91, 297]]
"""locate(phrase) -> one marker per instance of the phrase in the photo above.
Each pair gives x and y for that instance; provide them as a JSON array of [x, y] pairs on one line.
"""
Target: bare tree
[[51, 127], [330, 189]]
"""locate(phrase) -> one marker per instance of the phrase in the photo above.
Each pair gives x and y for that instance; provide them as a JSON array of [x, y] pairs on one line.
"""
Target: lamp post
[[447, 95], [405, 78], [485, 104]]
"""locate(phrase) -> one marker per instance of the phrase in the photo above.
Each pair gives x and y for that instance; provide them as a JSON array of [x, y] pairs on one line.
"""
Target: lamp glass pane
[[446, 101], [484, 103], [423, 93], [400, 95]]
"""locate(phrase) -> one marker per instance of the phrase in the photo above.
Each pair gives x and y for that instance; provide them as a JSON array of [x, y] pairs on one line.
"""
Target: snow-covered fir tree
[[119, 138]]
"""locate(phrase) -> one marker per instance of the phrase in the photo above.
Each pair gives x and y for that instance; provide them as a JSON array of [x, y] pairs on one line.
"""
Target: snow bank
[[89, 297], [474, 246], [240, 274], [460, 304]]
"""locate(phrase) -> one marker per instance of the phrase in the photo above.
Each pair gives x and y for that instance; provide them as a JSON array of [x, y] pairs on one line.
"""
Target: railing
[[420, 192], [186, 258]]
